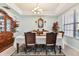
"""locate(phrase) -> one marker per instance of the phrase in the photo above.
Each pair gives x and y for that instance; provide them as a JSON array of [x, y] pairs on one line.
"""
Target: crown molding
[[14, 7]]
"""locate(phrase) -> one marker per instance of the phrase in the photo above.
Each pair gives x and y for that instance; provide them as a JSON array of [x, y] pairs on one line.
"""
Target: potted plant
[[55, 27], [15, 25]]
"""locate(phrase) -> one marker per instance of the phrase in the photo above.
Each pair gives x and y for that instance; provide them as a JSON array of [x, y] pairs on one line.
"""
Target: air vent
[[5, 7]]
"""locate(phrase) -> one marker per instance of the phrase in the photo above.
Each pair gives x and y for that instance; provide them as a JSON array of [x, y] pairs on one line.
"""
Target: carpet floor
[[39, 52]]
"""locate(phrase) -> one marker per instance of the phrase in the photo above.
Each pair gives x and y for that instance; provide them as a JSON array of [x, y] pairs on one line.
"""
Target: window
[[77, 24], [69, 24], [62, 23]]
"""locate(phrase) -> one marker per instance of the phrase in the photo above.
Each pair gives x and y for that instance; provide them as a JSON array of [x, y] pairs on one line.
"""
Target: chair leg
[[35, 48], [60, 49], [55, 49], [46, 49], [25, 49]]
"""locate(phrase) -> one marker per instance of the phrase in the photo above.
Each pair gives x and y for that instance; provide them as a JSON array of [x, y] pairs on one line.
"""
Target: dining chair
[[51, 41], [30, 41]]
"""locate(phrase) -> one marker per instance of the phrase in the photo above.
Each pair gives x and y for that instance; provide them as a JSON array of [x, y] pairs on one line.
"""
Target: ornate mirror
[[40, 23]]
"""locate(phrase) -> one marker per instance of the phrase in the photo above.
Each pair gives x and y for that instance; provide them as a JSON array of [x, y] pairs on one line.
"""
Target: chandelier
[[37, 9]]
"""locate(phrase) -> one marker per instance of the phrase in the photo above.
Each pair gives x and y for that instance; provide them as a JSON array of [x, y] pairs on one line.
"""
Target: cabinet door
[[8, 24], [1, 23]]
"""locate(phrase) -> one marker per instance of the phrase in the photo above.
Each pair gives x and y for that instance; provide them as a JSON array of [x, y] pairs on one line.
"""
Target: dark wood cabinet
[[6, 34]]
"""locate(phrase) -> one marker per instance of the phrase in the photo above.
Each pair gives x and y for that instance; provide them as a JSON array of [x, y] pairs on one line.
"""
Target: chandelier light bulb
[[35, 8], [38, 7], [38, 12], [34, 12]]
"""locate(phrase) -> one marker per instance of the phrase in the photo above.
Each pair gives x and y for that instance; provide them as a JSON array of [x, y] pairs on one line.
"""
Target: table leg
[[17, 47]]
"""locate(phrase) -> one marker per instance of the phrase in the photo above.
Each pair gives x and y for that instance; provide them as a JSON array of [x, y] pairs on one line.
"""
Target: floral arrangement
[[15, 25], [55, 27]]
